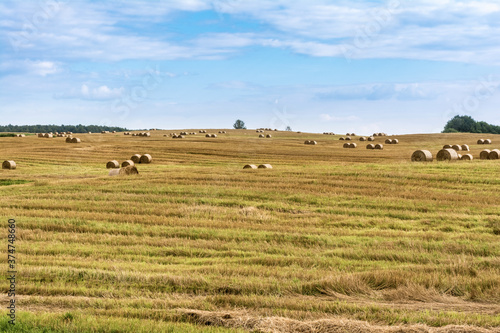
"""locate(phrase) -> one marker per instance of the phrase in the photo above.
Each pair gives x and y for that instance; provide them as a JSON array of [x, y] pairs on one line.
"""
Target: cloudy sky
[[315, 65]]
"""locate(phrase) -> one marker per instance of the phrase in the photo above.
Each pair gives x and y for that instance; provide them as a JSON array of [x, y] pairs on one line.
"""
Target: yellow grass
[[330, 237]]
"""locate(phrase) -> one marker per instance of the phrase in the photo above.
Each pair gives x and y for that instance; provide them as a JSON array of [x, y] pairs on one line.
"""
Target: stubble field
[[329, 240]]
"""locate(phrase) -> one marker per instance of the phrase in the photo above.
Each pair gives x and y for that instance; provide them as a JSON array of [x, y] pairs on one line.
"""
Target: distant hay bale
[[10, 165], [375, 134], [89, 132], [207, 136], [184, 133], [457, 147], [124, 171], [146, 159], [485, 154], [447, 146], [76, 140], [395, 141], [467, 157], [133, 134], [487, 142], [341, 138], [265, 166], [180, 136], [447, 155], [480, 142], [421, 156], [313, 142], [379, 146], [307, 142], [48, 135], [465, 148], [250, 166], [353, 134], [103, 132], [41, 135], [113, 132], [147, 134], [213, 135], [370, 146], [388, 141], [459, 156], [262, 136], [269, 136], [362, 138], [348, 138], [494, 154], [127, 163], [346, 145], [68, 140], [353, 145], [112, 164], [371, 138], [136, 158]]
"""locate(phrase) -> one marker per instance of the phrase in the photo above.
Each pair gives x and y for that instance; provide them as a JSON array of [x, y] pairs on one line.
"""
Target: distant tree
[[288, 128], [465, 124], [239, 124]]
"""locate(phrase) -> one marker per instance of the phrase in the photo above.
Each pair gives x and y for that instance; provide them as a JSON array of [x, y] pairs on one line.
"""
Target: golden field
[[329, 240]]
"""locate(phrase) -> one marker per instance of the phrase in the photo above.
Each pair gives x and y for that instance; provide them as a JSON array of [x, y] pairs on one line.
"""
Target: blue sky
[[338, 66]]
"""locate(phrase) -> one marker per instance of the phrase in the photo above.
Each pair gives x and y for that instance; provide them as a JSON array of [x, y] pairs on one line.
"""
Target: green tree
[[239, 124]]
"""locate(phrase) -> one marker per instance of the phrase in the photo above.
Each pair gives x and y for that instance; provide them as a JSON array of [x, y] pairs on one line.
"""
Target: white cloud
[[327, 117], [102, 93]]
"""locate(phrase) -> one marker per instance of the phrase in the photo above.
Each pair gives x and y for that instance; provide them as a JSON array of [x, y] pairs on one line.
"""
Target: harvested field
[[330, 239]]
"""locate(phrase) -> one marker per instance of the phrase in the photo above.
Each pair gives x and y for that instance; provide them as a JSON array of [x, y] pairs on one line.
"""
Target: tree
[[288, 128], [239, 124], [465, 124]]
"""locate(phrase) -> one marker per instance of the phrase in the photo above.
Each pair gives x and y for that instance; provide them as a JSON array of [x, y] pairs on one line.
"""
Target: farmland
[[330, 237]]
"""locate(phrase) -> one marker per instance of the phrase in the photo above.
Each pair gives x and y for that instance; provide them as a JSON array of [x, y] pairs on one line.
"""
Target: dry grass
[[328, 234]]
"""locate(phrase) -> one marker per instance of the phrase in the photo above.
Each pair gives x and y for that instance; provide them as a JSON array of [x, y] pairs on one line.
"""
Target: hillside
[[330, 237]]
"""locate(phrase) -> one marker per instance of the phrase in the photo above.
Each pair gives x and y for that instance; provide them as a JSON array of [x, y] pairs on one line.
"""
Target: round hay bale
[[341, 138], [213, 135], [447, 155], [459, 156], [68, 139], [146, 159], [269, 136], [136, 158], [485, 154], [362, 138], [125, 171], [467, 157], [487, 142], [465, 147], [265, 166], [307, 142], [127, 163], [447, 146], [370, 146], [262, 136], [375, 134], [313, 142], [347, 134], [180, 136], [76, 140], [103, 132], [207, 135], [133, 134], [371, 138], [379, 146], [346, 145], [353, 145], [147, 134], [250, 166], [395, 141], [494, 154], [10, 165], [456, 147], [184, 133], [388, 141], [421, 156], [348, 138], [112, 164], [480, 142], [48, 135]]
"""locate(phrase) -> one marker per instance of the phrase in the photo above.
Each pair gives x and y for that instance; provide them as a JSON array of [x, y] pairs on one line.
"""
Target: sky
[[342, 66]]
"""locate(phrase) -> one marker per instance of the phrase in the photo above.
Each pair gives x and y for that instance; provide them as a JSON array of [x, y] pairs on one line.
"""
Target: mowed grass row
[[327, 233]]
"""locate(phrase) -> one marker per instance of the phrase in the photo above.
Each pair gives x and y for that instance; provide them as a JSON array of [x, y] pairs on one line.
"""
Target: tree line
[[59, 128], [465, 124]]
